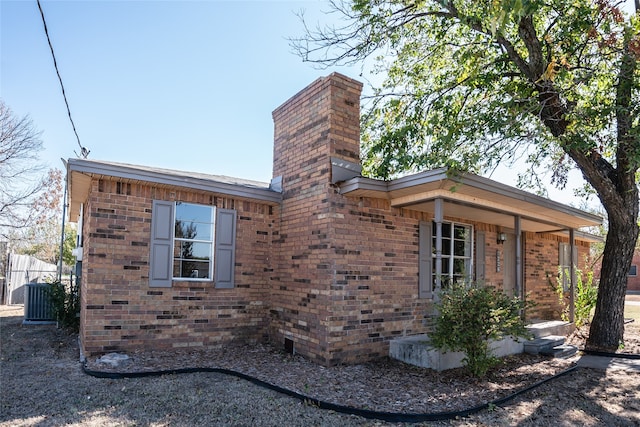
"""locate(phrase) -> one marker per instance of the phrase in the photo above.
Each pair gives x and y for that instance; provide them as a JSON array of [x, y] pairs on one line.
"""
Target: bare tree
[[21, 178], [41, 237]]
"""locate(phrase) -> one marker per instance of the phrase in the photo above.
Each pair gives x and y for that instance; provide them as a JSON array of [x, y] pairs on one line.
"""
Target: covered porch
[[511, 212]]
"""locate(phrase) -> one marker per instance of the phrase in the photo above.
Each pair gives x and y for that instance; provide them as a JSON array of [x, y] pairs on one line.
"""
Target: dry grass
[[632, 312], [42, 385]]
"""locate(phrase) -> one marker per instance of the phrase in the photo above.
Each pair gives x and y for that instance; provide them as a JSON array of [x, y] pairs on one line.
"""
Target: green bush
[[585, 297], [470, 316], [66, 305]]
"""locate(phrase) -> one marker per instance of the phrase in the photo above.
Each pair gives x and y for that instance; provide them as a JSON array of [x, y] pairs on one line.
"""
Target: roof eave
[[385, 189], [177, 179]]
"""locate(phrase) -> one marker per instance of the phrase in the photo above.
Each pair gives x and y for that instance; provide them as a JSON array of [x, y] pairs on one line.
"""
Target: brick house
[[633, 279], [320, 261]]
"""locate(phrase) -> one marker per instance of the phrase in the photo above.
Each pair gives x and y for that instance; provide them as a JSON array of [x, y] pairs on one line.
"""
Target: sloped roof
[[473, 197], [80, 172]]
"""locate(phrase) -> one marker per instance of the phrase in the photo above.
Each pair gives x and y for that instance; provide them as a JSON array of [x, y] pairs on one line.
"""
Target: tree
[[44, 243], [40, 238], [70, 243], [471, 84], [20, 172]]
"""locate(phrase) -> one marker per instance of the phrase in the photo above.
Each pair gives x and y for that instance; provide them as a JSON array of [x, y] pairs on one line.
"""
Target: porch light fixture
[[502, 237]]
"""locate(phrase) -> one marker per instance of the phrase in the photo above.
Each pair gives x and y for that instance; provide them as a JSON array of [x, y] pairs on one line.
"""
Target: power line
[[83, 151]]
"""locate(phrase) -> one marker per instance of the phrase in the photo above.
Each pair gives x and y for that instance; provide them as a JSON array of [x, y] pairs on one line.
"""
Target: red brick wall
[[120, 312], [336, 275], [319, 122], [346, 269], [541, 273], [633, 282]]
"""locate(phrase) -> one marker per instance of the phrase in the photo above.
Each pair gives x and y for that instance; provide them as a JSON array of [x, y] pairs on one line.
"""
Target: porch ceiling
[[474, 198]]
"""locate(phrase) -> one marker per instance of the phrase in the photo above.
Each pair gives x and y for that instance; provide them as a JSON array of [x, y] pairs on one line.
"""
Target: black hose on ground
[[365, 413], [614, 355]]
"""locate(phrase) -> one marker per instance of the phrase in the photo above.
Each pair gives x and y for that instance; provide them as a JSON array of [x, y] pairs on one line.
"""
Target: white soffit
[[473, 198]]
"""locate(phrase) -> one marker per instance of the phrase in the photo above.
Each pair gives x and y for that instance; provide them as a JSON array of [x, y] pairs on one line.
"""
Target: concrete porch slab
[[417, 350], [550, 327]]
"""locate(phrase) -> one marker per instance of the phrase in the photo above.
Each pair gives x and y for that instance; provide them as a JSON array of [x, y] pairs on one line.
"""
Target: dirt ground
[[42, 384]]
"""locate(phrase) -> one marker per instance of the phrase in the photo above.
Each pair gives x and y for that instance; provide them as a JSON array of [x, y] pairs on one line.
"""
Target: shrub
[[585, 297], [470, 316], [66, 304]]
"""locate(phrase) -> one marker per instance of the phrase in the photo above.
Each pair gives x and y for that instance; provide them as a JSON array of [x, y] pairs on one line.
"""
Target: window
[[633, 271], [191, 242], [564, 264], [456, 253]]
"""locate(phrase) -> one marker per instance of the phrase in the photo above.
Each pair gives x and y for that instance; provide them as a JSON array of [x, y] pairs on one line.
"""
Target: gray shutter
[[575, 265], [161, 256], [562, 264], [564, 253], [480, 259], [225, 245], [425, 260]]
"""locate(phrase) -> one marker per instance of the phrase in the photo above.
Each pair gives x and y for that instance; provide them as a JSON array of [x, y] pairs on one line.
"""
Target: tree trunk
[[607, 328]]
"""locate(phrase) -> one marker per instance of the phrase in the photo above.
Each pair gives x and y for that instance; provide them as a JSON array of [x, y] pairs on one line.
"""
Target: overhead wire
[[84, 152]]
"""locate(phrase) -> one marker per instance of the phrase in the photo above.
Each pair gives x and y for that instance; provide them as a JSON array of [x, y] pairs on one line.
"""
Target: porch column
[[519, 273], [438, 217], [572, 275]]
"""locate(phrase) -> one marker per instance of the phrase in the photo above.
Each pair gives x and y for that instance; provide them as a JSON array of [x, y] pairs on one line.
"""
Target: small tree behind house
[[470, 316]]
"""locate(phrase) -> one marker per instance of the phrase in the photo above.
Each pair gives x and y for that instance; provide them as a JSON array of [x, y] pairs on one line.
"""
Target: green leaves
[[470, 316], [472, 84], [476, 83], [66, 304]]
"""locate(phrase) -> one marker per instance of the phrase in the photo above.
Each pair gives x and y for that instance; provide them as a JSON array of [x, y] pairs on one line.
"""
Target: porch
[[548, 339]]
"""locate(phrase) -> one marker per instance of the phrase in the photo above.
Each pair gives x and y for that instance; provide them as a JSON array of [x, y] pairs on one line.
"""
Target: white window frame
[[211, 243], [450, 259]]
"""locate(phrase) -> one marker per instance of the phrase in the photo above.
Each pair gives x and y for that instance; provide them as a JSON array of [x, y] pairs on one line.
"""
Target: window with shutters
[[456, 252], [456, 257], [564, 264], [191, 242]]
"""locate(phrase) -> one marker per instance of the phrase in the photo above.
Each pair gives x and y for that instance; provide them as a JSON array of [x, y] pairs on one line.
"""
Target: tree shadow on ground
[[587, 397]]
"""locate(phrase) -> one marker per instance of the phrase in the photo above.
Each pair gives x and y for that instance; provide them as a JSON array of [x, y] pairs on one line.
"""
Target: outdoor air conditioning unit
[[38, 308]]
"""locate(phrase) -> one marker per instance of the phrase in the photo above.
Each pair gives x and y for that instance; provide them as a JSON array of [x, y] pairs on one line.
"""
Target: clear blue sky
[[186, 85]]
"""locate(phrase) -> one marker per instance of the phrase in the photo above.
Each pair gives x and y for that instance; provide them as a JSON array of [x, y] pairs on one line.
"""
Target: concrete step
[[539, 345], [550, 327], [417, 350], [563, 351]]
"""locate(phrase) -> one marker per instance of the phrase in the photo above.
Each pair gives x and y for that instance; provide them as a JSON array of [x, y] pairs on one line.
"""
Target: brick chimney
[[316, 144], [319, 123]]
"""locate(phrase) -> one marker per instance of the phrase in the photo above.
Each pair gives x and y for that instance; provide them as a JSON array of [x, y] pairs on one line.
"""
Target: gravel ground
[[41, 384]]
